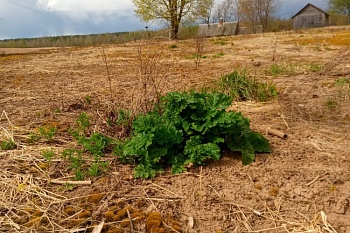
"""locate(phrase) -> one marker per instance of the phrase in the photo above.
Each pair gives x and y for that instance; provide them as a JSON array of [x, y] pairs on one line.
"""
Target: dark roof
[[309, 4]]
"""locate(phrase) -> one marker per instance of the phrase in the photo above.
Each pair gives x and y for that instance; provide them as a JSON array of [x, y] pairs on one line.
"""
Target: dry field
[[302, 186]]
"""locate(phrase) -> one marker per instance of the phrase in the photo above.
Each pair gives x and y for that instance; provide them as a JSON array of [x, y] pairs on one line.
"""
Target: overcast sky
[[36, 18]]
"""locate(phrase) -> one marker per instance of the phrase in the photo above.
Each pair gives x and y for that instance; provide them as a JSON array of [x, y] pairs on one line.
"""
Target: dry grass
[[221, 197]]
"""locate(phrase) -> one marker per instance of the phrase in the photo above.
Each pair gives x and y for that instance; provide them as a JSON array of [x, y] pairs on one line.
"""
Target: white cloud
[[88, 6]]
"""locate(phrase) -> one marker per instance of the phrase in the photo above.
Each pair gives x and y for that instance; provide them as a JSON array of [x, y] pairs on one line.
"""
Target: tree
[[250, 13], [260, 10], [341, 6], [224, 10], [237, 10], [204, 10], [171, 11]]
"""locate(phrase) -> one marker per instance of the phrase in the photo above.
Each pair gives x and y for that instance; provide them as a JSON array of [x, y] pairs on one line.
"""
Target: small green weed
[[47, 133], [331, 104], [173, 46], [342, 82], [124, 118], [8, 145], [57, 110], [217, 55], [276, 69], [196, 56], [241, 87], [48, 154], [88, 100], [68, 187], [343, 88], [314, 67], [218, 41], [97, 168], [76, 163], [33, 137], [83, 121], [95, 144], [78, 174]]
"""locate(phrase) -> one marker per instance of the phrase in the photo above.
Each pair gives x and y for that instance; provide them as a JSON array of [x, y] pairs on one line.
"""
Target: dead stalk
[[109, 78]]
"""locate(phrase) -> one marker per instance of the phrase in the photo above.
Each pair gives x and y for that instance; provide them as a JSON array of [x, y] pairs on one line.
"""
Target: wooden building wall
[[310, 17]]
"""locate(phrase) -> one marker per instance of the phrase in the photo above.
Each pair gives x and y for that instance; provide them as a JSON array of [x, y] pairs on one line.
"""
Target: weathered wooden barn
[[310, 16]]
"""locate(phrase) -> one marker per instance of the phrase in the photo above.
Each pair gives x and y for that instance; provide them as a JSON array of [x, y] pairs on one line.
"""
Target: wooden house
[[310, 16]]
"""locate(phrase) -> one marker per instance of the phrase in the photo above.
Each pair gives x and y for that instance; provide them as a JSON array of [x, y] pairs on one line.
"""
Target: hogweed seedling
[[83, 121], [33, 137], [97, 168], [68, 187], [8, 145], [88, 100], [48, 154], [47, 133]]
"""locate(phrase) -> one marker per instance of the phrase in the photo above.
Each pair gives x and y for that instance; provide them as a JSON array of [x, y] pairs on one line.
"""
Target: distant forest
[[92, 39], [72, 40]]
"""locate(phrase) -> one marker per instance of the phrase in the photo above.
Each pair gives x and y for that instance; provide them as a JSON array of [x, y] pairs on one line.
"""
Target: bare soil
[[302, 186]]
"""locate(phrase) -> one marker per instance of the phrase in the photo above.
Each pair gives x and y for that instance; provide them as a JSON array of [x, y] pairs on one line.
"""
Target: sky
[[37, 18]]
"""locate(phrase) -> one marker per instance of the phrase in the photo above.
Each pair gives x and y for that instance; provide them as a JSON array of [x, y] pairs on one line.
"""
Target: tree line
[[253, 12]]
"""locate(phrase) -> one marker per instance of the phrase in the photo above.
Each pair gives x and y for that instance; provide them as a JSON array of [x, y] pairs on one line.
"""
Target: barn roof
[[307, 5]]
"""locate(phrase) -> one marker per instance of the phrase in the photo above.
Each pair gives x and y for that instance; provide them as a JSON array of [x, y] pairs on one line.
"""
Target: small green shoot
[[48, 154], [95, 144], [8, 145], [314, 67], [33, 137], [78, 174], [68, 187], [217, 55], [196, 56], [97, 168], [88, 100], [83, 121], [219, 41], [47, 133], [331, 104]]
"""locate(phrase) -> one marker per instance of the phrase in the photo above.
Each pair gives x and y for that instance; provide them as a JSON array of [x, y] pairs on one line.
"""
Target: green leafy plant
[[8, 145], [33, 137], [173, 46], [68, 187], [124, 118], [97, 168], [88, 100], [47, 133], [189, 128], [95, 144], [240, 87], [76, 163], [83, 121], [48, 154]]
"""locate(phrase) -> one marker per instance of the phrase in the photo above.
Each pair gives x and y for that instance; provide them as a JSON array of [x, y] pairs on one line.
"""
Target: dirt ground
[[302, 186]]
